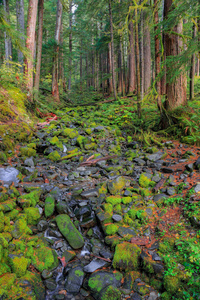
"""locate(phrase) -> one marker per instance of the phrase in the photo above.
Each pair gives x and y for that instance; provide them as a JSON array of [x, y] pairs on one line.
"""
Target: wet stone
[[106, 254], [9, 174], [94, 265], [74, 280], [124, 231], [42, 225], [167, 170], [159, 196], [90, 193], [50, 284], [197, 188], [171, 191], [46, 274], [117, 218], [156, 257]]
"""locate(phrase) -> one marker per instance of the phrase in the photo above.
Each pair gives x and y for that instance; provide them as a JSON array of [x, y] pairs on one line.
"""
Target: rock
[[3, 158], [170, 191], [126, 257], [156, 156], [117, 218], [102, 279], [68, 255], [117, 185], [74, 280], [9, 174], [189, 167], [110, 292], [197, 188], [159, 196], [50, 284], [94, 265], [46, 274], [135, 296], [124, 231], [29, 162], [69, 231], [156, 257], [153, 296], [63, 208], [139, 161], [167, 170], [197, 164], [49, 206], [90, 193]]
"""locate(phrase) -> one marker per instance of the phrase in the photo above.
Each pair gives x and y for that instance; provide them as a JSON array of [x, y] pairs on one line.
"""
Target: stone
[[170, 191], [189, 167], [156, 156], [90, 193], [68, 255], [69, 231], [156, 257], [167, 170], [74, 280], [135, 296], [197, 164], [117, 185], [94, 265], [117, 218], [49, 206], [159, 196], [197, 188], [126, 256], [9, 174], [50, 284], [124, 231], [29, 162]]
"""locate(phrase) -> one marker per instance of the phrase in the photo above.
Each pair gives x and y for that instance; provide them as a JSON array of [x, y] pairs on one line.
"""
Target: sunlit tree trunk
[[39, 45], [70, 44], [175, 91], [157, 55], [112, 50], [30, 44], [8, 43], [20, 27], [131, 59], [55, 90], [137, 49]]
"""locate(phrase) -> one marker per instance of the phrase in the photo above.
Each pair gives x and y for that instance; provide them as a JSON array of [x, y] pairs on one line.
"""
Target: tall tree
[[20, 27], [112, 50], [8, 43], [70, 44], [55, 90], [137, 50], [175, 90], [147, 53], [30, 44], [39, 44], [131, 58], [192, 68]]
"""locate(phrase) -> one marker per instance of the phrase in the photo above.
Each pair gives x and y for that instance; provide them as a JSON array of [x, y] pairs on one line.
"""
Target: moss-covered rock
[[3, 241], [19, 265], [81, 141], [54, 156], [171, 283], [1, 221], [110, 229], [32, 214], [90, 146], [49, 206], [30, 199], [70, 132], [126, 257], [69, 231], [3, 157], [8, 205], [55, 141], [117, 185], [111, 293], [20, 228], [144, 181], [28, 152]]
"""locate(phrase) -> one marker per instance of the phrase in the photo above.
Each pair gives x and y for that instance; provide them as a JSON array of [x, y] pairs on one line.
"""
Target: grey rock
[[74, 280], [123, 231], [159, 196], [153, 296], [135, 296], [189, 167], [197, 188], [29, 162], [90, 193], [171, 191], [156, 257], [42, 225], [50, 284], [139, 161], [94, 265], [117, 218], [156, 156], [9, 174], [197, 164]]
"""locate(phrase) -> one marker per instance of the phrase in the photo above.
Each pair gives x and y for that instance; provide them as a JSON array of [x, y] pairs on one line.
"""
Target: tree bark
[[8, 43], [141, 52], [112, 50], [70, 44], [55, 89], [20, 28], [81, 66], [39, 45], [30, 44], [192, 69], [131, 59], [175, 91], [147, 55], [137, 49], [157, 56]]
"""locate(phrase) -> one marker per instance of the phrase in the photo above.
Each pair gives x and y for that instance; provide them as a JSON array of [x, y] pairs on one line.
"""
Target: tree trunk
[[147, 55], [81, 67], [30, 44], [20, 28], [110, 69], [157, 55], [70, 44], [112, 51], [137, 49], [192, 69], [55, 90], [141, 51], [197, 66], [8, 43], [39, 45], [131, 59], [175, 91]]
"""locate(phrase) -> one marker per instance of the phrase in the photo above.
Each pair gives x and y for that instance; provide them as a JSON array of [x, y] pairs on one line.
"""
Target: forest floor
[[98, 210]]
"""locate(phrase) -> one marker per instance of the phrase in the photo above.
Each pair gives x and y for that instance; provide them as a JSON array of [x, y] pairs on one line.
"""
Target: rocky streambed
[[87, 213]]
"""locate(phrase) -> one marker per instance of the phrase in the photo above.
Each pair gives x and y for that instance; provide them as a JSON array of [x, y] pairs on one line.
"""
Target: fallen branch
[[159, 184], [94, 161], [102, 258]]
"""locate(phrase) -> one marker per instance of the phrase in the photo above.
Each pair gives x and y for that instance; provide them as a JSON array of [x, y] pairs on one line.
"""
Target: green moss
[[111, 229], [103, 189], [8, 205], [126, 257], [69, 132], [55, 141], [117, 208], [54, 156], [1, 221], [81, 140], [111, 293], [88, 131], [114, 200], [166, 296], [30, 199], [32, 214], [79, 273], [132, 213], [49, 206], [126, 200], [3, 241], [144, 181], [90, 146], [3, 197], [3, 157], [32, 145], [67, 228], [108, 207], [20, 228], [112, 241], [19, 265], [28, 152], [13, 214], [7, 281], [128, 220], [171, 283], [148, 265]]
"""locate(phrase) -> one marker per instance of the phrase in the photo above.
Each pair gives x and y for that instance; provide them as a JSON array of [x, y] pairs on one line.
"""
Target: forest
[[99, 149]]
